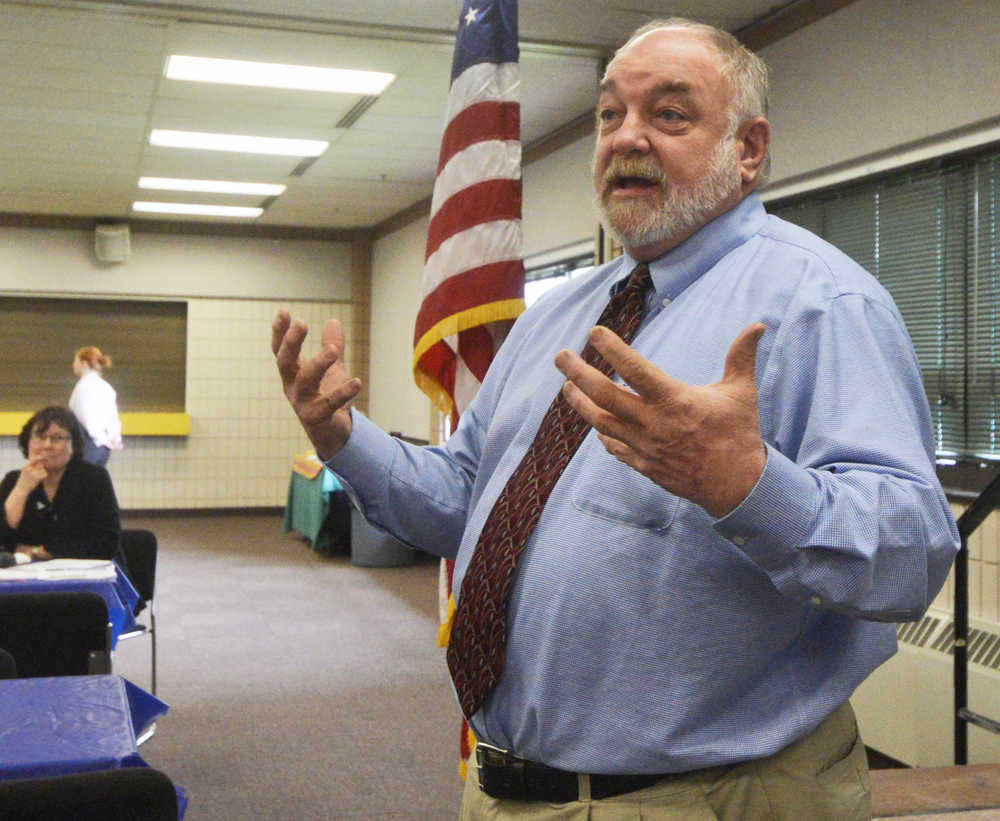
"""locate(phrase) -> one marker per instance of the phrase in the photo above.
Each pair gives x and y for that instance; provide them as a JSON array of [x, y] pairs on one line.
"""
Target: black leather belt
[[502, 775]]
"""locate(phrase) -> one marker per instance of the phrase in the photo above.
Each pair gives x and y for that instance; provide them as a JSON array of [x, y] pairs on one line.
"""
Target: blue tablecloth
[[119, 594], [73, 724]]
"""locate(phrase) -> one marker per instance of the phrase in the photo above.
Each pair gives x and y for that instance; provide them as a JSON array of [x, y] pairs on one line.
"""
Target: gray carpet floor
[[300, 686]]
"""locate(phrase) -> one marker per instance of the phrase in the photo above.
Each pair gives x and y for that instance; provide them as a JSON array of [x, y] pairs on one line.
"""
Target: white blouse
[[93, 401]]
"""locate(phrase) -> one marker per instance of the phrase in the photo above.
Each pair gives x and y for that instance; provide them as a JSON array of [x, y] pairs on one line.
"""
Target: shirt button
[[815, 601], [666, 301], [739, 541]]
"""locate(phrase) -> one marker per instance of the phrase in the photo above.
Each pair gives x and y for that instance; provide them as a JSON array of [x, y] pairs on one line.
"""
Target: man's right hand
[[318, 389]]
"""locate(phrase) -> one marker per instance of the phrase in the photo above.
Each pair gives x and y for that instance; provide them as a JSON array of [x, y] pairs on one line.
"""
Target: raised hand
[[318, 389], [28, 479], [700, 442], [31, 474]]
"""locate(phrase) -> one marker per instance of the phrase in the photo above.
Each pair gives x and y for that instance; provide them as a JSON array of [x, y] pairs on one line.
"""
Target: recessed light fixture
[[198, 209], [263, 189], [276, 75], [237, 142]]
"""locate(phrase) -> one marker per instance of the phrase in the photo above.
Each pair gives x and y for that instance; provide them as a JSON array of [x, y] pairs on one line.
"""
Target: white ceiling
[[81, 85]]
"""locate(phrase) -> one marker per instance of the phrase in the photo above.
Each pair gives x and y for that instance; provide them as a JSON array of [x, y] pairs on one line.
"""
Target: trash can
[[371, 547]]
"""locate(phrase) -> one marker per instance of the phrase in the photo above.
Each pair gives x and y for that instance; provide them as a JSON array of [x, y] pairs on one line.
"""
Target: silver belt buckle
[[487, 754]]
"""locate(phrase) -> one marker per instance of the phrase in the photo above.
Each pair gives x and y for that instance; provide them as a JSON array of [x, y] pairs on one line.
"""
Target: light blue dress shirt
[[645, 636]]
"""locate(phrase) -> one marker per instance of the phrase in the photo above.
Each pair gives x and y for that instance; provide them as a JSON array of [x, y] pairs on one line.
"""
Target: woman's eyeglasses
[[52, 438]]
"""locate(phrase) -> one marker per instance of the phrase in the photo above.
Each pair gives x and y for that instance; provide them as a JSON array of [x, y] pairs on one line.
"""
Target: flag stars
[[471, 17]]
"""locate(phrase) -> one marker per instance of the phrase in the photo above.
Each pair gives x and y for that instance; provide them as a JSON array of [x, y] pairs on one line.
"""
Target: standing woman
[[57, 505], [93, 401]]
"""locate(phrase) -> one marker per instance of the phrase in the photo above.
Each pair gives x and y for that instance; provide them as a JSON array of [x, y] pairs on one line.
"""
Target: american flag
[[473, 281]]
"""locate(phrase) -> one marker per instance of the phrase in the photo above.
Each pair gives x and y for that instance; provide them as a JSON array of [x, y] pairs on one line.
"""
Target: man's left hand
[[702, 443]]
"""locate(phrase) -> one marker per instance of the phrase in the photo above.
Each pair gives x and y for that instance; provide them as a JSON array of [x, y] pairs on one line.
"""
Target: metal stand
[[974, 516]]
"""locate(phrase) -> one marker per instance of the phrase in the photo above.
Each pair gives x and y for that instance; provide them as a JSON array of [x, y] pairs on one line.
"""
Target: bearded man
[[676, 554]]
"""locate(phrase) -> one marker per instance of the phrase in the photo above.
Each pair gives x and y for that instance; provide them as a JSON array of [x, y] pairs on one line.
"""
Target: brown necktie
[[478, 635]]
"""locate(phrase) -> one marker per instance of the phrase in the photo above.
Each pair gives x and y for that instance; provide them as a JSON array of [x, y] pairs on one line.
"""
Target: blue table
[[74, 724], [120, 595]]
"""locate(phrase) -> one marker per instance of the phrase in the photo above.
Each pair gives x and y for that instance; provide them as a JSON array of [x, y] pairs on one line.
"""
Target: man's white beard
[[681, 210]]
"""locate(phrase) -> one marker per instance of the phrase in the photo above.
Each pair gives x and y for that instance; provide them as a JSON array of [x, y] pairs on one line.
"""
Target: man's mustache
[[621, 167]]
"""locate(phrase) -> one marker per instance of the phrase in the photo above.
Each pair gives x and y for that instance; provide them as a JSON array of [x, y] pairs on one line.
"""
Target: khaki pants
[[822, 777]]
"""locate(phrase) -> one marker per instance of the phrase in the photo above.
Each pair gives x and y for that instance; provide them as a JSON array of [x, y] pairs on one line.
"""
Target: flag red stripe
[[475, 347], [483, 202], [479, 122], [438, 362], [478, 286]]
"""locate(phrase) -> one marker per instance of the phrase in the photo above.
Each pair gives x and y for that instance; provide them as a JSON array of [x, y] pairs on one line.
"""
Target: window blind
[[983, 284], [931, 237]]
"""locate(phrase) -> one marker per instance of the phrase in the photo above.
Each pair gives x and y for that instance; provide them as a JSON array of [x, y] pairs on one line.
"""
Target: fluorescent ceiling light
[[276, 75], [237, 142], [196, 208], [263, 189]]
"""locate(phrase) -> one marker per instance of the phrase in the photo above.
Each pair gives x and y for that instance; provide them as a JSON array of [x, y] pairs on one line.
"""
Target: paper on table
[[61, 569]]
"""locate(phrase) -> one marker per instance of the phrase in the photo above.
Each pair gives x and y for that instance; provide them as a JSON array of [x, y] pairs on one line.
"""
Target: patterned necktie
[[478, 636]]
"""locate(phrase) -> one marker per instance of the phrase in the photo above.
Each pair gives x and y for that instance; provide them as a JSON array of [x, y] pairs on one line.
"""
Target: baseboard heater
[[906, 708]]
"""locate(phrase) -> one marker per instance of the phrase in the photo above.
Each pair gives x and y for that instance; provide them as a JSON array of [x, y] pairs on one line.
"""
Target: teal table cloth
[[308, 505]]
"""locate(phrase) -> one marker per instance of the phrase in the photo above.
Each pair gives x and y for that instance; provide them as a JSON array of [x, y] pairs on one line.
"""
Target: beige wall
[[984, 571], [880, 83], [396, 402], [557, 196], [61, 260]]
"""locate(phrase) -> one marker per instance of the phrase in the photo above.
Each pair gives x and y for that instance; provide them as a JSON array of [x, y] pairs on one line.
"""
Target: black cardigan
[[80, 523]]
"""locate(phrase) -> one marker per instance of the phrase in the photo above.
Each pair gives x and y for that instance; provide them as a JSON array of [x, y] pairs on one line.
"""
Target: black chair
[[140, 547], [128, 794], [56, 633], [8, 667]]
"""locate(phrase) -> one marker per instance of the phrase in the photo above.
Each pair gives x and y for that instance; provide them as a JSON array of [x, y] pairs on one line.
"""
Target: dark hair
[[63, 417]]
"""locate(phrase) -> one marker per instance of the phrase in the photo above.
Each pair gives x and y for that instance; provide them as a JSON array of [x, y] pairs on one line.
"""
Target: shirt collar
[[679, 267]]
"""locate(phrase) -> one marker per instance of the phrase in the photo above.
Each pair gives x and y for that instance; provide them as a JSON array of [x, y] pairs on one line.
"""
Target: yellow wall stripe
[[133, 424]]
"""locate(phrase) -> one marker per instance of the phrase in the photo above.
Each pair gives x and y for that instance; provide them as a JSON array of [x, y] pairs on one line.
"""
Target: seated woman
[[57, 505]]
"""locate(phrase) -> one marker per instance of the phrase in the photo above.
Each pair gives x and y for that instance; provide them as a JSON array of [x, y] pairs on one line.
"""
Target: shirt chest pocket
[[604, 487]]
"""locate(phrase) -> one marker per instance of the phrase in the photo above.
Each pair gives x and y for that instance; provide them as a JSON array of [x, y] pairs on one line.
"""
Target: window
[[540, 279], [931, 235]]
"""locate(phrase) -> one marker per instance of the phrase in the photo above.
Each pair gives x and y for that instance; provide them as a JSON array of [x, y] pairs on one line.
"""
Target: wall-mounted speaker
[[111, 242]]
